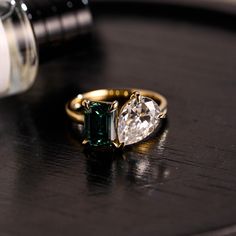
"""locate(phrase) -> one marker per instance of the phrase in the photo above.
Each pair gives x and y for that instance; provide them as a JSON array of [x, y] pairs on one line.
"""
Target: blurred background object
[[29, 30], [33, 29]]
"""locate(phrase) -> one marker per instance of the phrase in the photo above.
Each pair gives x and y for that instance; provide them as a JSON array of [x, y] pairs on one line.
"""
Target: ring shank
[[73, 108]]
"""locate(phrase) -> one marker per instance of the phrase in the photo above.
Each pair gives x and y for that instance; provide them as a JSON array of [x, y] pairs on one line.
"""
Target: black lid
[[58, 21]]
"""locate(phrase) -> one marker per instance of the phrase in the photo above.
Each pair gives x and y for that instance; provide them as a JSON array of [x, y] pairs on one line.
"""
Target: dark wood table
[[182, 182]]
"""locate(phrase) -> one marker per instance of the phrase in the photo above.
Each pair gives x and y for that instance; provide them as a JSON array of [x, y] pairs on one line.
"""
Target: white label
[[5, 64]]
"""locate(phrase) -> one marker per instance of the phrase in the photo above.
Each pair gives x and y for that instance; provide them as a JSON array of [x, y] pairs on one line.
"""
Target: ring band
[[117, 117]]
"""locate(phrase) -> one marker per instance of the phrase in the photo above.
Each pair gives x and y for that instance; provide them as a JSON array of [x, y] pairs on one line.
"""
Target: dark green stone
[[100, 124]]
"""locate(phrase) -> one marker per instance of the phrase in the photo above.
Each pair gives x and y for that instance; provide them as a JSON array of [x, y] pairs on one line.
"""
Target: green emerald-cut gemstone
[[100, 124]]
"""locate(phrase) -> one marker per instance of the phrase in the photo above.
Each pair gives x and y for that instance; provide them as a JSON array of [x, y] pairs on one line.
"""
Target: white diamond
[[137, 120]]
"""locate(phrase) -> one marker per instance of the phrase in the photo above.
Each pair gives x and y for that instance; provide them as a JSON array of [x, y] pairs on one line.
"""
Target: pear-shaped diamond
[[137, 120]]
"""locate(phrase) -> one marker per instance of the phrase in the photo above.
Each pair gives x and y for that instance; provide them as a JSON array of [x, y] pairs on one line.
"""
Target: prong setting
[[162, 115], [85, 142], [118, 145], [114, 106], [86, 104], [136, 95]]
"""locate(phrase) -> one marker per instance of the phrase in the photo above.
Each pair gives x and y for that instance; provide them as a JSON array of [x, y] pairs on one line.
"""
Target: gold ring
[[117, 117]]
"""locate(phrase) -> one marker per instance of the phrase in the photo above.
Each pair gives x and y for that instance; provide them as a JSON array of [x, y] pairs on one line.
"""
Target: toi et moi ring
[[117, 117]]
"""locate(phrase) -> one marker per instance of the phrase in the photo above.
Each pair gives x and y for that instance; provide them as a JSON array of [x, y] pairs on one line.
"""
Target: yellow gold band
[[121, 95]]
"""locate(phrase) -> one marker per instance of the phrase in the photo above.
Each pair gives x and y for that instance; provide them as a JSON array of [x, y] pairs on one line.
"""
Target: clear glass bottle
[[18, 51]]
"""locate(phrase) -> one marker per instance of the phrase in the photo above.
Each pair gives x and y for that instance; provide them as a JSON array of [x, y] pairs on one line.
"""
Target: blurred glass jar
[[28, 29], [18, 52]]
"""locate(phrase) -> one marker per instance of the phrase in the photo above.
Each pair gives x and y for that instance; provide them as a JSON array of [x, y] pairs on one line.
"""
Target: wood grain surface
[[182, 182]]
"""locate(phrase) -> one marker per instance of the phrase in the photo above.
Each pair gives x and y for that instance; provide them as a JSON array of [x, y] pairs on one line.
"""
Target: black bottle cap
[[56, 22]]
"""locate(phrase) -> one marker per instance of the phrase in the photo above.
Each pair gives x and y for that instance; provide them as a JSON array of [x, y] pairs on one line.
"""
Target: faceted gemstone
[[99, 124], [137, 120]]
